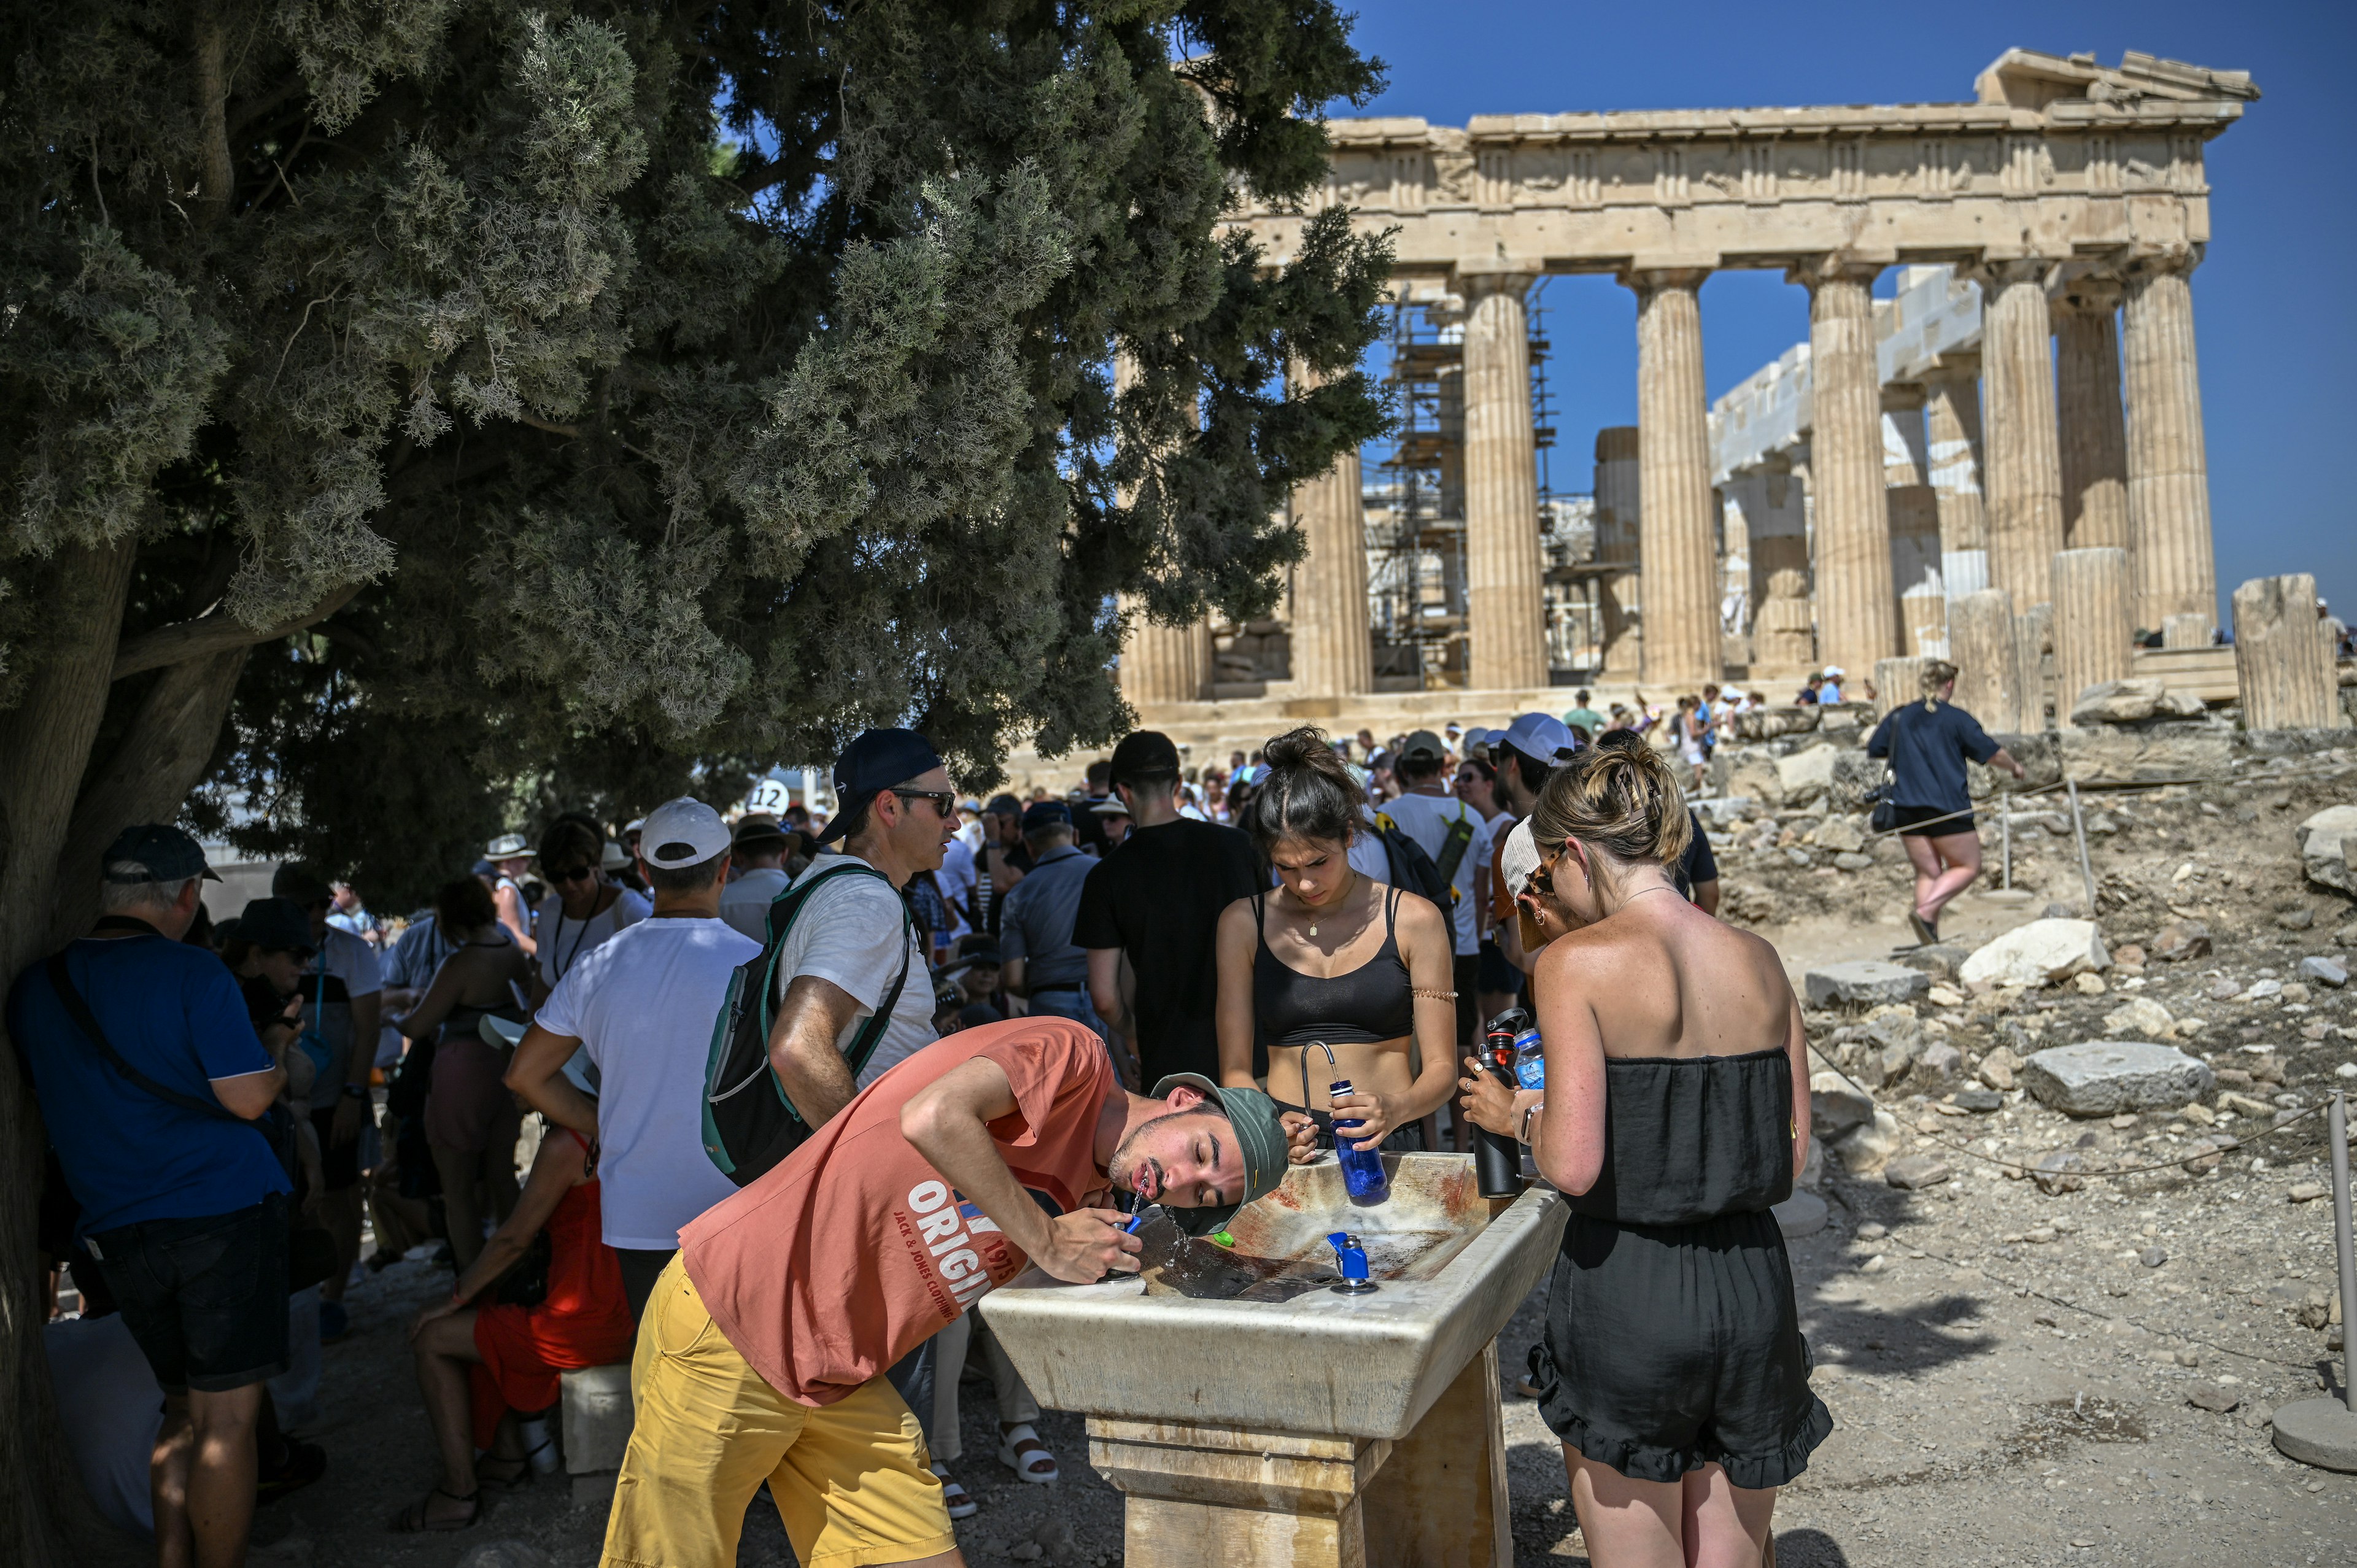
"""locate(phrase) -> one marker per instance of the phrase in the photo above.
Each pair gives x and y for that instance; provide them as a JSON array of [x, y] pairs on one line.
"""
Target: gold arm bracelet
[[1430, 995]]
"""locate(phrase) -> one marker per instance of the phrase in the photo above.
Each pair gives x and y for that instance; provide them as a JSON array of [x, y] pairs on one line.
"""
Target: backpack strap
[[783, 911], [86, 1022]]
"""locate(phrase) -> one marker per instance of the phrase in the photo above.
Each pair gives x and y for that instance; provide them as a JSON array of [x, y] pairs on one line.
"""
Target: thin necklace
[[1658, 887], [1353, 887]]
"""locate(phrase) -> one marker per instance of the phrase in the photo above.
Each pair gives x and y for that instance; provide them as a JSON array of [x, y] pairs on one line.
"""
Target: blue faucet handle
[[1351, 1257]]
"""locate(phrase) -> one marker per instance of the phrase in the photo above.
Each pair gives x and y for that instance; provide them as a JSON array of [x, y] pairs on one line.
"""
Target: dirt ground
[[2012, 1373]]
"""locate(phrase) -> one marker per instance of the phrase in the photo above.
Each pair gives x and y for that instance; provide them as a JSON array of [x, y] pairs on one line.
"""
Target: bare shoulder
[[1238, 916], [1420, 914]]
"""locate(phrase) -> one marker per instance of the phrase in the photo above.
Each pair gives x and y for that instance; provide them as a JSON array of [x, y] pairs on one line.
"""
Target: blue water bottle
[[1362, 1170], [1530, 1059]]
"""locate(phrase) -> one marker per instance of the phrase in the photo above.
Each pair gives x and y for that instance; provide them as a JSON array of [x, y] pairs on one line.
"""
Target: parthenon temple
[[2028, 391]]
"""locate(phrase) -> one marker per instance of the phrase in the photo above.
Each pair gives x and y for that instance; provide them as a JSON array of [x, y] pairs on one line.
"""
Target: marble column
[[1504, 600], [1856, 608], [2091, 622], [2094, 439], [2168, 477], [1676, 542], [1905, 461], [1915, 570], [1952, 430], [1164, 663], [2282, 667], [1619, 515], [1982, 647], [1331, 655], [2025, 465]]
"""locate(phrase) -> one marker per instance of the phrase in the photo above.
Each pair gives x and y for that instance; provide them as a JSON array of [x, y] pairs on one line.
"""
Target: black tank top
[[1691, 1138], [1365, 1006]]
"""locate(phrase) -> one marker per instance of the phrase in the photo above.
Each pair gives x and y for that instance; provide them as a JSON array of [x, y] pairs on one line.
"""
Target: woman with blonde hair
[[1333, 957], [1926, 743], [1673, 1120]]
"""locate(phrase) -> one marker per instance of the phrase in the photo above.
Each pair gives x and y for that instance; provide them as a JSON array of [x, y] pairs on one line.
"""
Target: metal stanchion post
[[2006, 818], [2079, 830], [2323, 1432]]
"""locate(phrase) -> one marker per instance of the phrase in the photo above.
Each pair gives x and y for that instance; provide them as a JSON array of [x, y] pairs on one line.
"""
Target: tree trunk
[[44, 1516]]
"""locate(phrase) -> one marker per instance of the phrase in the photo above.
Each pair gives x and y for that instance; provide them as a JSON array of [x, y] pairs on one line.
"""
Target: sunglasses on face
[[944, 803], [574, 873]]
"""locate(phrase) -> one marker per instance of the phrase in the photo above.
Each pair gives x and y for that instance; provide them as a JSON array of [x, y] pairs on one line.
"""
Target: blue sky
[[2276, 313]]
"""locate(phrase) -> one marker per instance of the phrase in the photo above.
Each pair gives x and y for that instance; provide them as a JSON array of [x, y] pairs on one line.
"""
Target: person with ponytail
[[1675, 1116], [1926, 743], [1335, 956]]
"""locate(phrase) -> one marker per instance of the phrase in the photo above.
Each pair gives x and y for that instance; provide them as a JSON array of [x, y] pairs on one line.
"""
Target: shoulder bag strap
[[79, 1010]]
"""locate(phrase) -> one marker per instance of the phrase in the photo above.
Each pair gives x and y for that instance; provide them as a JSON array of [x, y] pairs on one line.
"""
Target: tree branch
[[219, 173], [215, 633]]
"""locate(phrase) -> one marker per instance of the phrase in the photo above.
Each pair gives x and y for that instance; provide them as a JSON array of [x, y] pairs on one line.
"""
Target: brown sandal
[[412, 1521]]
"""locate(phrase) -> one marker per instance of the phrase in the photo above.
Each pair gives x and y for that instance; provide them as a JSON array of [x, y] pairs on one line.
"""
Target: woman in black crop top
[[1331, 956], [1674, 1118]]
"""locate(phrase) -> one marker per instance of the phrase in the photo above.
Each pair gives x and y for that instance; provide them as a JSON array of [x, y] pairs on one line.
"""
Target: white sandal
[[1026, 1465], [956, 1499]]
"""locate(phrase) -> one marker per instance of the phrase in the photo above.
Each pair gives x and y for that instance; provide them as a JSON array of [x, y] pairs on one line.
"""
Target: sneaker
[[334, 1323]]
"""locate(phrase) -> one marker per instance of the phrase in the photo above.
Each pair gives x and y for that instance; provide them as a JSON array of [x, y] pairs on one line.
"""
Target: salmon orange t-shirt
[[853, 1251]]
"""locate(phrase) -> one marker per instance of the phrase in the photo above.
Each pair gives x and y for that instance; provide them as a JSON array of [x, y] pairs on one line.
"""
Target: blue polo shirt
[[174, 1012], [1927, 751]]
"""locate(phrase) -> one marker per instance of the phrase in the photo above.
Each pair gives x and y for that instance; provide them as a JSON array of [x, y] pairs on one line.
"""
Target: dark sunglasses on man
[[572, 873]]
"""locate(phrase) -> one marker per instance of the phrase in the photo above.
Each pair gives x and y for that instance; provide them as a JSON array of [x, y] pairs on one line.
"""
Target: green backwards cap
[[1260, 1141]]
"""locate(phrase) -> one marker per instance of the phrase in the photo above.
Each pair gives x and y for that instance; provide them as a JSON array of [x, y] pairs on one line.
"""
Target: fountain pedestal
[[1251, 1415], [1207, 1496]]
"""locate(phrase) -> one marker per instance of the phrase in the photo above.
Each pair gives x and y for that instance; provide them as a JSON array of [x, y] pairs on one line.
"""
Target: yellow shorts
[[852, 1482]]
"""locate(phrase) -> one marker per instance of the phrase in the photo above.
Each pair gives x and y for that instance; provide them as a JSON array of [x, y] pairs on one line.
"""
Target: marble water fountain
[[1253, 1414]]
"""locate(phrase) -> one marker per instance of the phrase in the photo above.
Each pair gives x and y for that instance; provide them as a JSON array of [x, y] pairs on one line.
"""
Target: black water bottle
[[1497, 1159]]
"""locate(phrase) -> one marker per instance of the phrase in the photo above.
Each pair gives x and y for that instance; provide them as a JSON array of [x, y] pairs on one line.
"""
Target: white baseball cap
[[683, 833], [1542, 738], [1520, 862]]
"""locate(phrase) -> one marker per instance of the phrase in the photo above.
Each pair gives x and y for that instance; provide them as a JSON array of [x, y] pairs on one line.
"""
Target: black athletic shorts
[[340, 1167], [1916, 821], [205, 1298], [1498, 972]]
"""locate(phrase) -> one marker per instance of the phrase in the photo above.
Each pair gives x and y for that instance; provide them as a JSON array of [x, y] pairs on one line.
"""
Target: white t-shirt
[[852, 934], [565, 942], [745, 903], [351, 961], [956, 879], [1485, 844], [1367, 857], [642, 1004], [1427, 818]]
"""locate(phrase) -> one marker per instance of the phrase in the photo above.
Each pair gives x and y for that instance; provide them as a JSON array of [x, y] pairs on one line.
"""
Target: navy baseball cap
[[275, 924], [155, 852], [876, 761], [1041, 815]]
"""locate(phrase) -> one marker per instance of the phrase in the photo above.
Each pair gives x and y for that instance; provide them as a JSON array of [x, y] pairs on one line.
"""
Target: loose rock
[[2139, 1018], [2327, 843], [1840, 834], [2306, 1191], [1864, 983], [1836, 1108], [2042, 952], [2216, 1400], [2297, 919], [1979, 1100], [2181, 939], [1847, 861], [1866, 1148], [2104, 1077], [1912, 1171], [2152, 1257], [2056, 1173], [2326, 972], [2119, 701]]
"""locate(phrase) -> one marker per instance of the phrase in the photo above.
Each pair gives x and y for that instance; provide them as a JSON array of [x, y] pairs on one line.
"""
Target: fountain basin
[[1250, 1337]]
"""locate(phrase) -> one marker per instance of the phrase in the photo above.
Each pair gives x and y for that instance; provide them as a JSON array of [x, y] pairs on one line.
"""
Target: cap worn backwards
[[874, 762], [683, 833]]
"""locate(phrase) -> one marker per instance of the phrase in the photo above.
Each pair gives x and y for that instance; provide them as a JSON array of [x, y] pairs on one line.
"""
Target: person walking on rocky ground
[[1926, 743], [1673, 1367]]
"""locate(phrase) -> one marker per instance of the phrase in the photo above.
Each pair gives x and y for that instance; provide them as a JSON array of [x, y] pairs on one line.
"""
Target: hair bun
[[1622, 799]]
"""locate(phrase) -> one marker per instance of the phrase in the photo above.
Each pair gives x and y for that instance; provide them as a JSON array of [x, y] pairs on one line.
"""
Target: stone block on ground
[[2181, 939], [1803, 1214], [1840, 833], [2327, 972], [1996, 1069], [1939, 1065], [2140, 1018], [1938, 959], [1864, 983], [1835, 1108], [2043, 952], [598, 1417], [2119, 701], [1911, 1173], [1865, 1149], [2104, 1077], [1807, 774], [2327, 848]]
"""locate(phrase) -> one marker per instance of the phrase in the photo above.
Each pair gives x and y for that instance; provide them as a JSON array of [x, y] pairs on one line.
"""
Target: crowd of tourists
[[976, 1032]]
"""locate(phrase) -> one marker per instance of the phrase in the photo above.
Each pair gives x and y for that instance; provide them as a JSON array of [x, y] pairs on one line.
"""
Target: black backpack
[[749, 1125], [1410, 867]]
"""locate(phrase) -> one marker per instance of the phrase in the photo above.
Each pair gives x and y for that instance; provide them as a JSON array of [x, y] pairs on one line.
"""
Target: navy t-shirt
[[1927, 748], [174, 1012], [1698, 864]]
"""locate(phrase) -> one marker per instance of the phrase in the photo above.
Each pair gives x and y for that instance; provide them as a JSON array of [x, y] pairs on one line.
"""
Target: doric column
[[1952, 429], [1676, 541], [1330, 651], [2168, 475], [1857, 609], [2024, 467], [1905, 461], [2282, 667], [1775, 516], [2094, 440], [1982, 645], [1164, 663], [2091, 622], [1618, 521], [1503, 599], [1915, 569]]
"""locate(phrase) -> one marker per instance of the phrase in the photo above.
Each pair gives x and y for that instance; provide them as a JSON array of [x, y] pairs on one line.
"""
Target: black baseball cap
[[298, 881], [275, 924], [1142, 755], [1041, 815], [873, 763], [155, 852]]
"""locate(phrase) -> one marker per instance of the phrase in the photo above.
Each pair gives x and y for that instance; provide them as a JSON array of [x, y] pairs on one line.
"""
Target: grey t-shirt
[[1036, 922]]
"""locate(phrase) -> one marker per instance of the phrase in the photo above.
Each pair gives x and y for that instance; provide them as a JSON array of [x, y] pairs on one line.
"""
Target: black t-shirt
[[1158, 897], [1697, 865], [1088, 827], [1927, 747]]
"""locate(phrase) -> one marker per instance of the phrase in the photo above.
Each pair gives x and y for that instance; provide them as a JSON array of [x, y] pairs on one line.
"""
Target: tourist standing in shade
[[1673, 1118], [1927, 743], [583, 910]]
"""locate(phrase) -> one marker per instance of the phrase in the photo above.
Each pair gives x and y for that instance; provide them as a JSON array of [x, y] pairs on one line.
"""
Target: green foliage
[[690, 385]]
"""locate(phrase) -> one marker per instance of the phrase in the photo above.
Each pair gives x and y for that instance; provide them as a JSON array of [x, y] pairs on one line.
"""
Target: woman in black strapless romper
[[1674, 1368]]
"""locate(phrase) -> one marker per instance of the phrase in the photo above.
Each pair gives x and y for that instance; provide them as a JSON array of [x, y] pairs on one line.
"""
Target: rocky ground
[[2065, 1365]]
